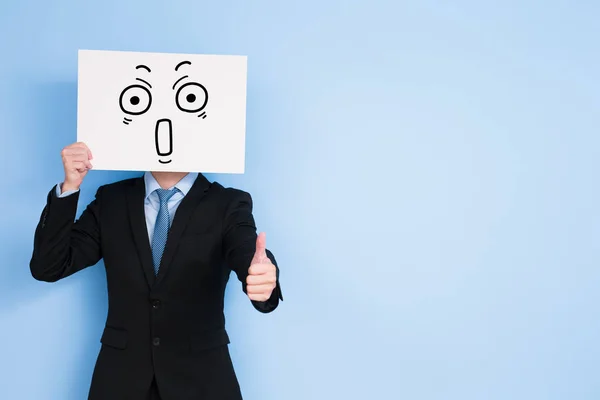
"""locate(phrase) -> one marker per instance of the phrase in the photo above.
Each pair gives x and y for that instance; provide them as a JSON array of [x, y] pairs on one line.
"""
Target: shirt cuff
[[65, 194]]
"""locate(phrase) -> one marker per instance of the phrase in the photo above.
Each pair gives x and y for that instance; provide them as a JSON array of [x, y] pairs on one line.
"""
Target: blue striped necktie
[[161, 228]]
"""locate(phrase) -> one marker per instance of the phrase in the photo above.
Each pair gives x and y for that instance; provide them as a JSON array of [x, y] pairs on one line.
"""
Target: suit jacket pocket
[[114, 337], [209, 339]]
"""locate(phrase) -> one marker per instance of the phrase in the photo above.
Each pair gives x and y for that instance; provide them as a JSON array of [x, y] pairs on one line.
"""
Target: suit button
[[156, 341], [155, 304]]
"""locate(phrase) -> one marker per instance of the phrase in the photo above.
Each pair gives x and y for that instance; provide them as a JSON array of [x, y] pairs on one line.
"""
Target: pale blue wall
[[426, 174]]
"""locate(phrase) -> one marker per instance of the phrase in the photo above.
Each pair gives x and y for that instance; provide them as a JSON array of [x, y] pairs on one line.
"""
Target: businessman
[[169, 242]]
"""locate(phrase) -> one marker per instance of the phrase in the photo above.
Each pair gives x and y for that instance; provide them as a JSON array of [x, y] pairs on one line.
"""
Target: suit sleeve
[[239, 245], [63, 246]]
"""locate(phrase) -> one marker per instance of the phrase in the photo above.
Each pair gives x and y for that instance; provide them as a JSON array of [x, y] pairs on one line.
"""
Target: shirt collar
[[184, 185]]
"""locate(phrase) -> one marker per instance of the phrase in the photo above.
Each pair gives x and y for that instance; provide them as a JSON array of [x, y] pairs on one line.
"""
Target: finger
[[83, 147], [77, 157], [77, 154], [81, 166], [258, 289], [90, 156], [78, 145], [260, 279], [261, 242], [261, 247], [260, 269], [85, 164], [75, 150]]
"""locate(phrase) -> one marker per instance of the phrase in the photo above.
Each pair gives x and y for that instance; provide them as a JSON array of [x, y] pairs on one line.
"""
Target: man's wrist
[[66, 187]]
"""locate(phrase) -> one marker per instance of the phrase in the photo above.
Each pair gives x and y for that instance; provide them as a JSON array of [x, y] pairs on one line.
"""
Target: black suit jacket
[[170, 327]]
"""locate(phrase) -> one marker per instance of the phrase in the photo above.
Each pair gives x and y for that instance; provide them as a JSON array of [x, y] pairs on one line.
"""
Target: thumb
[[261, 249]]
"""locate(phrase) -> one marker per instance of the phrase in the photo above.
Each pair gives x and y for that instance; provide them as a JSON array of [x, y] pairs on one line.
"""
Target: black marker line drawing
[[179, 80], [182, 63], [141, 80], [195, 99], [136, 99], [131, 97], [143, 67], [159, 133]]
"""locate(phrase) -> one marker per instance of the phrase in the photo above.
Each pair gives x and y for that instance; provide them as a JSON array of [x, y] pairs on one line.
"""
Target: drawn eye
[[135, 100], [191, 97]]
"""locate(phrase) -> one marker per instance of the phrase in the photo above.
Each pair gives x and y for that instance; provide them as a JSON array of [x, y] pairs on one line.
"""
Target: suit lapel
[[182, 217], [137, 218]]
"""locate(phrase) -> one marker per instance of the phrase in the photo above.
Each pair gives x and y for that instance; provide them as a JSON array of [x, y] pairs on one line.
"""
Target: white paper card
[[162, 112]]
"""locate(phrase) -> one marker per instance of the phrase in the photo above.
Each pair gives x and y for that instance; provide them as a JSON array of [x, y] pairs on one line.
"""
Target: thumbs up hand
[[262, 274]]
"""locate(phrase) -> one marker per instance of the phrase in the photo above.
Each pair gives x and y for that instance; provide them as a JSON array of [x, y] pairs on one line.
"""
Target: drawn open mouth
[[164, 139]]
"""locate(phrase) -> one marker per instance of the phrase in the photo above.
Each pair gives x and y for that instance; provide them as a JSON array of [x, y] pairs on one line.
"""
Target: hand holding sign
[[76, 163], [262, 274]]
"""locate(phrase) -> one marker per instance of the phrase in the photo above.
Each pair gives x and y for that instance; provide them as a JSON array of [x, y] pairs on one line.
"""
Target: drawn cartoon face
[[151, 111], [136, 99]]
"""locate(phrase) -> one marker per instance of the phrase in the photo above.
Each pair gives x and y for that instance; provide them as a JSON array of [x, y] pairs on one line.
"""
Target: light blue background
[[425, 171]]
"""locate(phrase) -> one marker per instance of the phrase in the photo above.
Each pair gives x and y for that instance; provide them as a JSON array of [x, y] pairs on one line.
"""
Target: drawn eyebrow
[[141, 80], [182, 63], [143, 67], [179, 80]]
